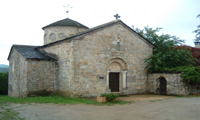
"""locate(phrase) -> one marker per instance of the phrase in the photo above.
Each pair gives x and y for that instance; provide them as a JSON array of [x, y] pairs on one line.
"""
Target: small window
[[118, 46], [52, 37], [13, 66]]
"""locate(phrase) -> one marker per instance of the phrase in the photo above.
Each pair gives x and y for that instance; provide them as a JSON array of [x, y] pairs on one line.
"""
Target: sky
[[22, 20]]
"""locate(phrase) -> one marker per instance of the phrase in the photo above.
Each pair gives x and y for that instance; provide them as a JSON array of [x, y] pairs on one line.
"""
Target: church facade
[[78, 61]]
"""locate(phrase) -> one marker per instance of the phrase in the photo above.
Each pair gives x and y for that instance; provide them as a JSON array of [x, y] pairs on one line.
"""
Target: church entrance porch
[[116, 76], [114, 82]]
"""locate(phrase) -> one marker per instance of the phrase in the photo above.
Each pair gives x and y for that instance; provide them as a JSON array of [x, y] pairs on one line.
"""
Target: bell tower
[[61, 30]]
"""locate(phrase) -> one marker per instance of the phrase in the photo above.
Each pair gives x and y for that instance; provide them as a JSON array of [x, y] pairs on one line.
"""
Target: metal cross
[[116, 16], [67, 9]]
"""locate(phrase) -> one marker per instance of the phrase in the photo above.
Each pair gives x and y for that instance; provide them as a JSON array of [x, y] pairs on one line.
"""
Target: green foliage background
[[167, 53], [168, 56], [191, 73], [3, 83]]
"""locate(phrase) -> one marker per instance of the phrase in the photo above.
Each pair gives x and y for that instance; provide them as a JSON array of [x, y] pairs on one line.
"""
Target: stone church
[[78, 61]]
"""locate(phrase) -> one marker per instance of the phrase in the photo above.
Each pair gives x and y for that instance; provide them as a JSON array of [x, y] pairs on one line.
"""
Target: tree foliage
[[194, 51], [3, 83], [189, 73], [197, 31], [166, 56]]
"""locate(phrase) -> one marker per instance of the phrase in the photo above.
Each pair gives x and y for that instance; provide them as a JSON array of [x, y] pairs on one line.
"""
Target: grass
[[188, 96], [55, 100], [8, 113]]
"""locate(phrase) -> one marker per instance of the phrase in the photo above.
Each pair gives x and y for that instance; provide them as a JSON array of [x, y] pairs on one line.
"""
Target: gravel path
[[165, 109]]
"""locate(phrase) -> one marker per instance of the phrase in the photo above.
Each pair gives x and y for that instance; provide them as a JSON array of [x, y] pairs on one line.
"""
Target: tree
[[197, 31], [166, 56], [3, 83], [189, 73]]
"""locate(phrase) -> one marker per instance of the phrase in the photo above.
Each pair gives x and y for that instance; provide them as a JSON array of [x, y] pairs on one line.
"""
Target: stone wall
[[94, 52], [56, 33], [40, 76], [17, 81], [64, 66], [192, 87], [175, 84], [83, 62]]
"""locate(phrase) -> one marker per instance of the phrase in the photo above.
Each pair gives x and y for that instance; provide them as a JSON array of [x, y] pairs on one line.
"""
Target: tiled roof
[[66, 22], [30, 52]]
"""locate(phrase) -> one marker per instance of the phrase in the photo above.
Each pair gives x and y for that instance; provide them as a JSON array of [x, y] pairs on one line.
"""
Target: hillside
[[4, 68]]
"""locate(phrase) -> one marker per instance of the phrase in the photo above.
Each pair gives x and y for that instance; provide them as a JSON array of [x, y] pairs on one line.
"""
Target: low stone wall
[[175, 84], [192, 87]]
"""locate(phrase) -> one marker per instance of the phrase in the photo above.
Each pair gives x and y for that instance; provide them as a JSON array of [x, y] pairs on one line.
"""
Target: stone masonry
[[175, 84], [17, 86], [82, 60], [27, 74], [77, 61], [40, 76]]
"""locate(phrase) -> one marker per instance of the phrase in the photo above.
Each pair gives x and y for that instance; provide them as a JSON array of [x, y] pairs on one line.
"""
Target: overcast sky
[[21, 20]]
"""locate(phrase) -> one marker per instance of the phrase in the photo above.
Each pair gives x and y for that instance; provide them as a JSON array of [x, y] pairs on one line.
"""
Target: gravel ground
[[158, 109]]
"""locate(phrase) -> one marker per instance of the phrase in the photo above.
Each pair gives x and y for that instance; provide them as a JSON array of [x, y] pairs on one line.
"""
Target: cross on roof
[[116, 16], [68, 7]]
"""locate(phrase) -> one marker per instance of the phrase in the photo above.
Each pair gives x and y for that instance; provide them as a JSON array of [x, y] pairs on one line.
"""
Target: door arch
[[116, 75], [163, 86]]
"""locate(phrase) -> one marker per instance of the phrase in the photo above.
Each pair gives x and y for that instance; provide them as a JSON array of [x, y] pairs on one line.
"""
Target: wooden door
[[163, 84], [114, 82]]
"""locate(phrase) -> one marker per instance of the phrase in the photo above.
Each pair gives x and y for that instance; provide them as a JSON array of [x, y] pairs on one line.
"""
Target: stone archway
[[116, 75], [162, 86], [120, 61]]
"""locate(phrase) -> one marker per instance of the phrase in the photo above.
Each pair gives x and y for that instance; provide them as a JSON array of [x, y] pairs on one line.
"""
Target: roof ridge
[[66, 22], [96, 28], [30, 52], [17, 45]]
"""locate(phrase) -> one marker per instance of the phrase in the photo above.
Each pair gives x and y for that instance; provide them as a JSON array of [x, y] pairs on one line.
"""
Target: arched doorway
[[116, 75], [114, 82], [163, 86]]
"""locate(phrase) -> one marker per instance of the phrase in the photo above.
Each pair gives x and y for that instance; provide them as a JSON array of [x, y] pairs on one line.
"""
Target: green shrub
[[191, 73], [103, 94], [111, 96], [4, 83]]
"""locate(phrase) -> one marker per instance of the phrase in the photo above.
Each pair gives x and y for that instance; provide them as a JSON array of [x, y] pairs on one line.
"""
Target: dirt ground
[[143, 97], [145, 107]]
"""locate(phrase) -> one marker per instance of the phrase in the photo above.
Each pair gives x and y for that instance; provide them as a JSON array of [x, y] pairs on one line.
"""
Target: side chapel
[[78, 61]]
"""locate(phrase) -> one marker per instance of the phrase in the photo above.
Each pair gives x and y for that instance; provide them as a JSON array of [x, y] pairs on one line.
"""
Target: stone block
[[101, 99], [131, 78]]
